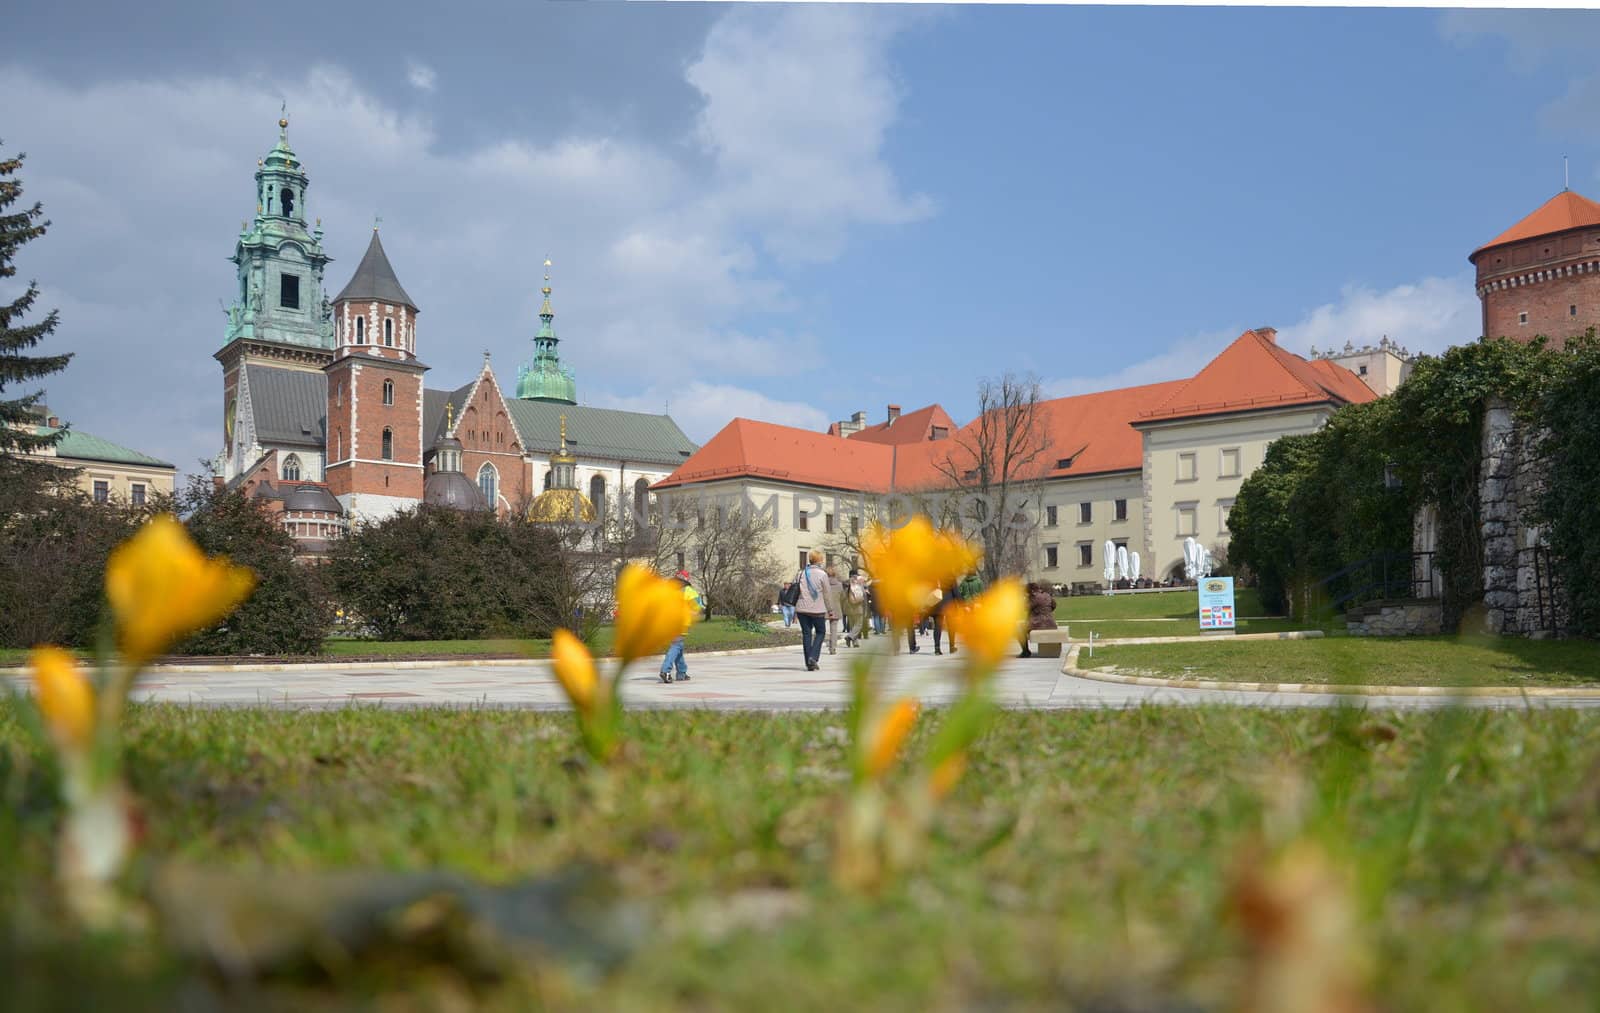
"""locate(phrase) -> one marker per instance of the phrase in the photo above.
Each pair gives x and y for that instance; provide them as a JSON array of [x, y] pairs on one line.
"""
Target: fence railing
[[1379, 577]]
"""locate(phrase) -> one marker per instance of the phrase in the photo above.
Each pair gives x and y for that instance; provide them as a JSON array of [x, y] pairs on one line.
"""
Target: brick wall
[[357, 418], [487, 437], [1554, 280]]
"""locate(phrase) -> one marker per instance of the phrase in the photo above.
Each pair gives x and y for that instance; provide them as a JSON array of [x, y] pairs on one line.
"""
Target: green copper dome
[[545, 379]]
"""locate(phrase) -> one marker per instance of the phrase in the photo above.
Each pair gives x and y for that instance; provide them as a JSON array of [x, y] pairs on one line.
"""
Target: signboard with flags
[[1216, 603]]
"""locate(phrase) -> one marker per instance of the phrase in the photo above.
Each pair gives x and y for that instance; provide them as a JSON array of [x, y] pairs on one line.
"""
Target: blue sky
[[792, 212]]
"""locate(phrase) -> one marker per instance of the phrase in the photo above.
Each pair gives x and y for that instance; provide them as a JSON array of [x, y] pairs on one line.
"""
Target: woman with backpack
[[816, 605]]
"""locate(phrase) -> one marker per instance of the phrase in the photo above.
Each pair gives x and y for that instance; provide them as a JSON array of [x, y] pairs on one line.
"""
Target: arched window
[[597, 494], [388, 389], [388, 333], [361, 330], [489, 484], [641, 498], [547, 477], [288, 203], [291, 468], [388, 444]]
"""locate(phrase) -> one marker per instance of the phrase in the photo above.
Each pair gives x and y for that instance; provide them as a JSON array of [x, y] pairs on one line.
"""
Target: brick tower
[[1542, 275], [375, 393]]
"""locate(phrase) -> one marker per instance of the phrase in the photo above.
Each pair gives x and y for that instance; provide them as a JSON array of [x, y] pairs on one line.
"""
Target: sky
[[792, 212]]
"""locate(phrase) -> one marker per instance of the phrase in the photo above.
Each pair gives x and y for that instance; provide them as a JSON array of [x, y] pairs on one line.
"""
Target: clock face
[[227, 421]]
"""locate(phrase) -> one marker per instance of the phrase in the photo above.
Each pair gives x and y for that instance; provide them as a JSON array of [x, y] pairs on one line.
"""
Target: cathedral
[[327, 416]]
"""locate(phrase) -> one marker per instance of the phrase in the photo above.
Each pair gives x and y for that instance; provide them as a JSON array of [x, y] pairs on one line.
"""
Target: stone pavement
[[767, 680]]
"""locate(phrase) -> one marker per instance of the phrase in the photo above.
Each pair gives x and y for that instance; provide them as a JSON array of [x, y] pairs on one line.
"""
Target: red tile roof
[[1093, 433], [1254, 373], [1566, 210], [909, 428], [746, 448]]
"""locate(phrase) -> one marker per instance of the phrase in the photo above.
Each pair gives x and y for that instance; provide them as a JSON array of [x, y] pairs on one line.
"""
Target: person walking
[[854, 603], [818, 603], [675, 656], [786, 609], [1041, 614], [836, 612]]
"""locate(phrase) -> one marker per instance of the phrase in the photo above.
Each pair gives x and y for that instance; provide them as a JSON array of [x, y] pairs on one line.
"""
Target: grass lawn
[[1083, 862], [1373, 661], [1167, 614]]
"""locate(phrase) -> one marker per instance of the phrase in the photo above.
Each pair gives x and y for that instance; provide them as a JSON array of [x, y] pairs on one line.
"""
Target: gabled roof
[[1566, 210], [77, 445], [1254, 373], [746, 448], [912, 427], [374, 279], [635, 437], [288, 405]]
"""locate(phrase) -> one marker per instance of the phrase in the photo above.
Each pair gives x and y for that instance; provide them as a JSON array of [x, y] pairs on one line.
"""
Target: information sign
[[1216, 603]]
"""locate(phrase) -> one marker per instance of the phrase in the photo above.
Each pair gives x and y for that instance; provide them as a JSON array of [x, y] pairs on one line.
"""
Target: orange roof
[[912, 427], [1566, 210], [1254, 373], [745, 448]]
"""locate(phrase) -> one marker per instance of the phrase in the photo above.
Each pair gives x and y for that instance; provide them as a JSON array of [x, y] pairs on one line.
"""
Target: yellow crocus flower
[[910, 563], [889, 736], [63, 695], [944, 777], [651, 613], [575, 669], [163, 588], [987, 625]]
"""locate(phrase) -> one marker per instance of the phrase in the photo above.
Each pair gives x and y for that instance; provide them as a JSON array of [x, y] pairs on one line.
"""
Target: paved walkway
[[756, 680]]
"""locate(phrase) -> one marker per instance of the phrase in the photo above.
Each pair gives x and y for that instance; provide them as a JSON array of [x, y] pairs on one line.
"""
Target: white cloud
[[1425, 316], [421, 76], [702, 408], [654, 264]]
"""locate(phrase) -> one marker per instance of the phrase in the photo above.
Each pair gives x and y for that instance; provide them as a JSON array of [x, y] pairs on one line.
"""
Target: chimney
[[1270, 333], [894, 413], [859, 419]]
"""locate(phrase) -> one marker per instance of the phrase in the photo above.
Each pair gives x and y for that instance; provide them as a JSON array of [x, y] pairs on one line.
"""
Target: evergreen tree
[[17, 415]]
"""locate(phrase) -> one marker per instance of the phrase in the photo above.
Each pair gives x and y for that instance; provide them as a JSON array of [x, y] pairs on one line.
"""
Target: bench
[[1048, 642]]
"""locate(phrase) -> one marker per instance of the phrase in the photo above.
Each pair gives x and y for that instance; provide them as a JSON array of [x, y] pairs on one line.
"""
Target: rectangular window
[[855, 525], [289, 291], [102, 490], [1522, 318], [805, 521], [1120, 543], [1085, 553], [1230, 463], [136, 497], [1186, 470], [1085, 513], [827, 523], [1224, 507], [1572, 311], [805, 557], [1122, 510], [680, 560], [1187, 520], [1049, 557], [1362, 371], [1050, 516]]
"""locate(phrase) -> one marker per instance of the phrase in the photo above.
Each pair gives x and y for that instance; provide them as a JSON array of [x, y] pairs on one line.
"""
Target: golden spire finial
[[449, 417], [546, 289], [563, 434], [283, 116]]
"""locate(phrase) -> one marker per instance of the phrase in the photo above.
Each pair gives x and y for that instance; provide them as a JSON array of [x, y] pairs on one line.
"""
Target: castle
[[328, 418]]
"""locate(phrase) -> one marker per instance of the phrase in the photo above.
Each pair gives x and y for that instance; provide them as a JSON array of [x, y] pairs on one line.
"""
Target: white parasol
[[1110, 572]]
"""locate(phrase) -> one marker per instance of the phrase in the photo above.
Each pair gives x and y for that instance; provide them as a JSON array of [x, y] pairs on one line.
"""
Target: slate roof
[[1566, 210], [289, 405], [81, 446], [374, 278], [635, 437]]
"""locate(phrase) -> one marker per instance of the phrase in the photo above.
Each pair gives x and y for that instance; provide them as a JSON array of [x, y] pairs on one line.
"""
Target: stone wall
[[1396, 619], [1518, 595]]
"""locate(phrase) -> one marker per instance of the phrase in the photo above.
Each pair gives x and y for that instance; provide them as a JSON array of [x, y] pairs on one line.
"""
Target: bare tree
[[726, 545], [995, 466]]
